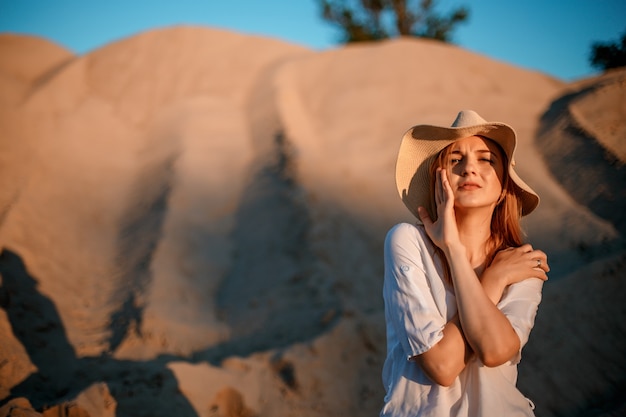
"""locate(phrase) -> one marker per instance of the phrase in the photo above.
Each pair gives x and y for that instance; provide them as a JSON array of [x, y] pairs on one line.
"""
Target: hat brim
[[422, 143]]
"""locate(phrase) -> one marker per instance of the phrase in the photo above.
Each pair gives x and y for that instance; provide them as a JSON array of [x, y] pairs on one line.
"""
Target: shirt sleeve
[[519, 304], [410, 307]]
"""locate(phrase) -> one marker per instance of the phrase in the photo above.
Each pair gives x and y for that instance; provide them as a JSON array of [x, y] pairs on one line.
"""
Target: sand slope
[[197, 227]]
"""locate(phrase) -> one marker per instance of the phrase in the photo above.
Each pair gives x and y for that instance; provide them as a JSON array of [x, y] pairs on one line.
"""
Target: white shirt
[[418, 304]]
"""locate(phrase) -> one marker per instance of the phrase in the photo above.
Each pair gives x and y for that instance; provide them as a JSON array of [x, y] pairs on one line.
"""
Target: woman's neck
[[474, 232]]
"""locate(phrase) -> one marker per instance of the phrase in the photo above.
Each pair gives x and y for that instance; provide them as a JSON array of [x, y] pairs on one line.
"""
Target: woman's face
[[476, 170]]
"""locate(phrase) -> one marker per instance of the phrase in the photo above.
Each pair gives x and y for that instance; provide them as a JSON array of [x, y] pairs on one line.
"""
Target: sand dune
[[588, 121], [192, 221]]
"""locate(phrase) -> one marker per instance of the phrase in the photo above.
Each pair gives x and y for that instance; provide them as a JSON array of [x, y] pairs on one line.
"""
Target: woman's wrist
[[454, 250]]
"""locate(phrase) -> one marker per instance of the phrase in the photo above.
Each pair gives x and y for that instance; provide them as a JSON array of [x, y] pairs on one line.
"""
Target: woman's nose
[[468, 167]]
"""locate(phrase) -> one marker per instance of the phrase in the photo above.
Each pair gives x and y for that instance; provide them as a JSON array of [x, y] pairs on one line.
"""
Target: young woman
[[461, 288]]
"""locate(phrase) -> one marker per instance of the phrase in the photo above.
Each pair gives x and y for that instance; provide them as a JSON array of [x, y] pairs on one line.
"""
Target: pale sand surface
[[191, 222]]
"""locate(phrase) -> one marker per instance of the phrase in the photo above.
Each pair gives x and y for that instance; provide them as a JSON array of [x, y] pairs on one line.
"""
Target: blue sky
[[551, 36]]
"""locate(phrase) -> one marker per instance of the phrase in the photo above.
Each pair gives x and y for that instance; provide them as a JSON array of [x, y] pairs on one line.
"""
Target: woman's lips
[[469, 186]]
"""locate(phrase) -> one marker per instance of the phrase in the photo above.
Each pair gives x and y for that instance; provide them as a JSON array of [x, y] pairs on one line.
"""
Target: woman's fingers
[[443, 228], [438, 188], [444, 183], [523, 262], [535, 258], [540, 273], [444, 195], [424, 216], [540, 260], [526, 248]]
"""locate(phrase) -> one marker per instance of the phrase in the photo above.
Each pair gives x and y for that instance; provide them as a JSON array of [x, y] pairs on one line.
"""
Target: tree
[[370, 20], [605, 56]]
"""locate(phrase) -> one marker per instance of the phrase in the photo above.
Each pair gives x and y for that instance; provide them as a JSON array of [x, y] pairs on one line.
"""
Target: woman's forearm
[[487, 330], [445, 361]]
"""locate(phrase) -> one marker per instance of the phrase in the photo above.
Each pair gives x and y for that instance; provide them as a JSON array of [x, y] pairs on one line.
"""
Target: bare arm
[[488, 331], [444, 362]]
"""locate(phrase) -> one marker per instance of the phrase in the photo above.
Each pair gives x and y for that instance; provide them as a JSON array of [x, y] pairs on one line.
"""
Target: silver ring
[[538, 263]]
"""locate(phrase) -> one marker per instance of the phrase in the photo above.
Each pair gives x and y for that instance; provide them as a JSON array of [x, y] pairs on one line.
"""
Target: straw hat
[[422, 143]]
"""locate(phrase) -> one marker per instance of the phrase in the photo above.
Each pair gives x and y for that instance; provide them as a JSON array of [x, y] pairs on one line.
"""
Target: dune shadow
[[273, 296], [145, 388], [140, 232], [37, 324]]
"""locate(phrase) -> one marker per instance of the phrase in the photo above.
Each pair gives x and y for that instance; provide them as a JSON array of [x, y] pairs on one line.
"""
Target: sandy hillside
[[192, 222]]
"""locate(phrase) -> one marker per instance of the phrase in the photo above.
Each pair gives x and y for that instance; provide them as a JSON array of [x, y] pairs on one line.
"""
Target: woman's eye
[[455, 160]]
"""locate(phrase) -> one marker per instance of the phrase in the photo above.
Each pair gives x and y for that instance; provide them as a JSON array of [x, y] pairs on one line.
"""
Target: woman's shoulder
[[404, 227], [403, 231]]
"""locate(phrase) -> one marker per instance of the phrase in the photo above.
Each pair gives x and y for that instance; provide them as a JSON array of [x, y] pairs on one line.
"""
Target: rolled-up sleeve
[[410, 308], [519, 304]]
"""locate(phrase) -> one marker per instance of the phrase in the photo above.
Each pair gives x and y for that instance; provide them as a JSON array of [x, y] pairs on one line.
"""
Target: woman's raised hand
[[517, 264], [442, 231]]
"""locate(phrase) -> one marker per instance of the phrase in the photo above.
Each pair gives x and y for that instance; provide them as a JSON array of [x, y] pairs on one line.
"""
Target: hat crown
[[468, 118]]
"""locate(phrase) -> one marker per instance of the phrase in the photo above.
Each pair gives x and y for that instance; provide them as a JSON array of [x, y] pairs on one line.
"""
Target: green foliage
[[605, 56], [370, 20]]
